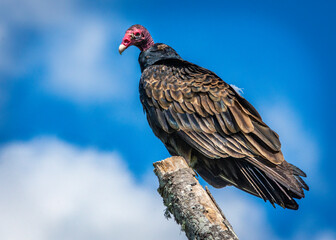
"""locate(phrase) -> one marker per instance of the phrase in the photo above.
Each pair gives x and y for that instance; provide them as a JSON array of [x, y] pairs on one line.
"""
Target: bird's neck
[[155, 53], [148, 43]]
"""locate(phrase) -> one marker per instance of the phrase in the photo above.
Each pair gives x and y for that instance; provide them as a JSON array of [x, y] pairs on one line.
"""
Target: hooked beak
[[122, 48]]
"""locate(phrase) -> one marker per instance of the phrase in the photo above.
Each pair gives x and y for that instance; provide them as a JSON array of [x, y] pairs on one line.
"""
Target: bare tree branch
[[193, 207]]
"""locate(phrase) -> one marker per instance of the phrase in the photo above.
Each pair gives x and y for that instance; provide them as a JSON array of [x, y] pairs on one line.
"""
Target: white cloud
[[247, 218], [53, 190], [298, 143], [3, 47], [321, 235], [17, 17], [78, 64], [326, 235], [36, 13], [78, 49], [83, 64]]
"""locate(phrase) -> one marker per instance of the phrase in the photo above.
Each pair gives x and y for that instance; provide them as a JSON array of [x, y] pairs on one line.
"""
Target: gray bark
[[192, 207]]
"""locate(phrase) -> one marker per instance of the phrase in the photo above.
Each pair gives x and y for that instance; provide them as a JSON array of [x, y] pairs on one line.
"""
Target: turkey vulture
[[202, 118]]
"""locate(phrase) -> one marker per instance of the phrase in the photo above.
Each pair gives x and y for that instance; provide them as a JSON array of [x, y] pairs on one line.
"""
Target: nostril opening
[[126, 41]]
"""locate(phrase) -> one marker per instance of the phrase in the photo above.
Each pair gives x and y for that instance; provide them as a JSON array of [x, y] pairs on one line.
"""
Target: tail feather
[[302, 183], [297, 171], [278, 184], [275, 193]]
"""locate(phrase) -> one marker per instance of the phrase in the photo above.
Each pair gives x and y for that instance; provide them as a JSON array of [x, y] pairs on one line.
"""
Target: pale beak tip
[[122, 48]]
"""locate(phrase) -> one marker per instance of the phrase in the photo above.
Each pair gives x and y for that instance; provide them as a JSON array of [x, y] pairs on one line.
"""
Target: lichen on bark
[[192, 207]]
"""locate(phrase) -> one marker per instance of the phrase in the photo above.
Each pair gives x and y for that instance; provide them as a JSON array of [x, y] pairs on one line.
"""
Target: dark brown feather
[[202, 118]]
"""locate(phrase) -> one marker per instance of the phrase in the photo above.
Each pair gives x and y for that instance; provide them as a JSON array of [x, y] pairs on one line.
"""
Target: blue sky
[[72, 126]]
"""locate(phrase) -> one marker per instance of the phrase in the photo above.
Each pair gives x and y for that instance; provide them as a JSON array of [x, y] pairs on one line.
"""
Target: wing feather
[[207, 113]]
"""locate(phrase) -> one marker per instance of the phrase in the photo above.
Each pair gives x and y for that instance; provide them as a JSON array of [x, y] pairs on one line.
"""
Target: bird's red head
[[138, 36]]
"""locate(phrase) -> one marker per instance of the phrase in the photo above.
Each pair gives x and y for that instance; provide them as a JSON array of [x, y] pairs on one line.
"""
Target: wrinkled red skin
[[139, 37]]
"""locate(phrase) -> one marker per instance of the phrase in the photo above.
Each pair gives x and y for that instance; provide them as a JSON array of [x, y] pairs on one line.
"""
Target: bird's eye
[[137, 34]]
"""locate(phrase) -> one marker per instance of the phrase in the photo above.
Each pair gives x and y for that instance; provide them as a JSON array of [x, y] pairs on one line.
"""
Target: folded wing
[[235, 146]]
